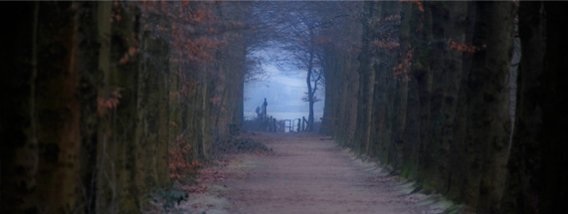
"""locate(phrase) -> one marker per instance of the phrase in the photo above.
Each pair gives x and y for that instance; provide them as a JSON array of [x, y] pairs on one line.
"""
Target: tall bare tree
[[299, 29]]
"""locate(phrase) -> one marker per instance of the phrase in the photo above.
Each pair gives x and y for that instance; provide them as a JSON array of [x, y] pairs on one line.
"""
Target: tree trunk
[[487, 132]]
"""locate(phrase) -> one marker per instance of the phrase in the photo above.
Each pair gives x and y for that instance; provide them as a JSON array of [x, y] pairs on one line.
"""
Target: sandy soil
[[305, 174]]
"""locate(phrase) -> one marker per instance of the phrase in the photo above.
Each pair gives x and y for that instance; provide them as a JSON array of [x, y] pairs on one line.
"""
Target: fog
[[283, 86]]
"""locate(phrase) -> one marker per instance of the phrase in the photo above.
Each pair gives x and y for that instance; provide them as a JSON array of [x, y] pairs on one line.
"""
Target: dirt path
[[307, 174]]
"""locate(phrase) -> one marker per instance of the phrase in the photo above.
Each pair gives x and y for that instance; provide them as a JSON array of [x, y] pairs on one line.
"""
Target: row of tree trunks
[[341, 75], [101, 103], [536, 182], [434, 101]]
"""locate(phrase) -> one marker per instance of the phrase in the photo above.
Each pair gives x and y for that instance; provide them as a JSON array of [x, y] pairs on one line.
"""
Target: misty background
[[282, 84]]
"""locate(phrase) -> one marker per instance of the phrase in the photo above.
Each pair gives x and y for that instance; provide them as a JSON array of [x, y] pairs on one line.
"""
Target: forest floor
[[303, 174]]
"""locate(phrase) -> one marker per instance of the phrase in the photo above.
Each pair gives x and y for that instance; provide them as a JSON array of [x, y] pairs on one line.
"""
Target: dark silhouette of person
[[264, 104], [258, 112]]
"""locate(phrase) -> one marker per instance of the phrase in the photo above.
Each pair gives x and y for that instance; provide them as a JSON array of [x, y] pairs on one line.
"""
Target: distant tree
[[298, 28]]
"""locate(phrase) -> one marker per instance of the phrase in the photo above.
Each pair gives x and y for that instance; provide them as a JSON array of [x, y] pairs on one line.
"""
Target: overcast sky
[[283, 88]]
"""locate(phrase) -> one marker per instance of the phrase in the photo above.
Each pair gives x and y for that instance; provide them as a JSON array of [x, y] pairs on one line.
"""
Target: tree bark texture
[[445, 120], [99, 102]]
